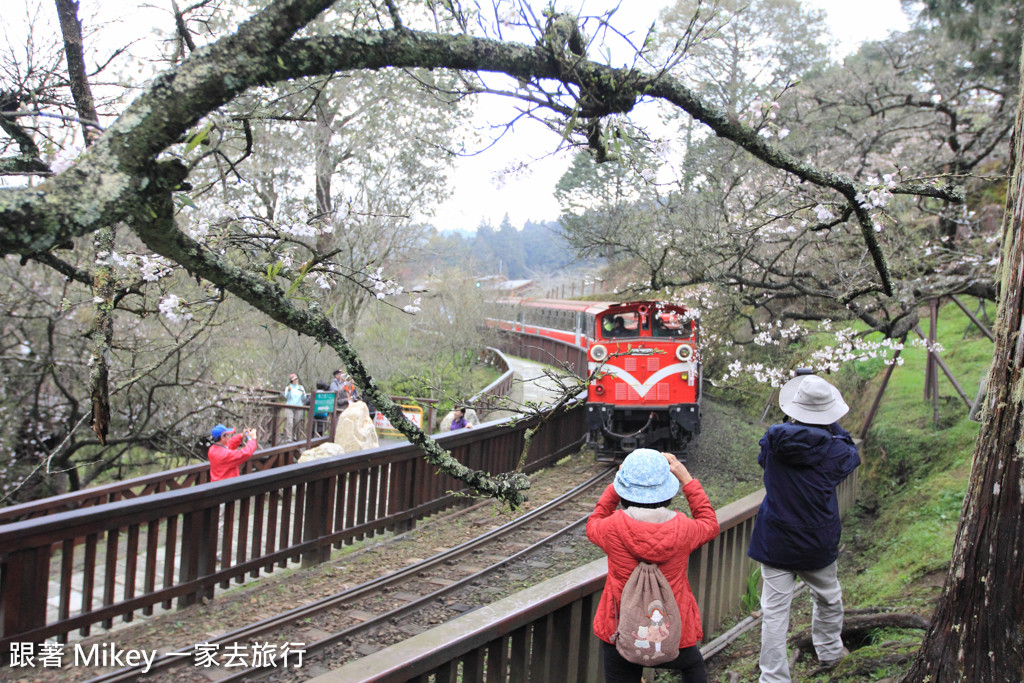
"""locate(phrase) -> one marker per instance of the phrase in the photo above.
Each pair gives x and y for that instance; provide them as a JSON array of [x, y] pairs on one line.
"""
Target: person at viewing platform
[[320, 419], [341, 395], [227, 452], [294, 395], [796, 533], [645, 530], [459, 419]]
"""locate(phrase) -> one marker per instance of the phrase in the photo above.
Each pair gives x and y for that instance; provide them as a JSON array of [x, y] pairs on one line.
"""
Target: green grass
[[916, 470], [752, 598]]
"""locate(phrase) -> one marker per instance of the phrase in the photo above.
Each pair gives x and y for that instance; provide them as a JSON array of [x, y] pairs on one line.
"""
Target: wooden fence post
[[881, 390], [316, 521], [931, 388], [25, 577]]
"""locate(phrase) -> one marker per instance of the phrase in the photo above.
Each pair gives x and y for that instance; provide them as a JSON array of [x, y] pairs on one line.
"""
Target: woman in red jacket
[[646, 530]]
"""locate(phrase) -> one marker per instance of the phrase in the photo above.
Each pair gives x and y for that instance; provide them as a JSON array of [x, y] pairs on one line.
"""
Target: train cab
[[644, 388]]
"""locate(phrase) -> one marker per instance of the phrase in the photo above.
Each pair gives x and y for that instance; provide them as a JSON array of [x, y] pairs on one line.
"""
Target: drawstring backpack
[[649, 624]]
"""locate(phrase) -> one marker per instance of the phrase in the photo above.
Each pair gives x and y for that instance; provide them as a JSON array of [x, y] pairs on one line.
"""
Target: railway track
[[353, 622]]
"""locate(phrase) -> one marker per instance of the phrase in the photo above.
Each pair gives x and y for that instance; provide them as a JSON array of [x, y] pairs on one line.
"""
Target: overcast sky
[[483, 193]]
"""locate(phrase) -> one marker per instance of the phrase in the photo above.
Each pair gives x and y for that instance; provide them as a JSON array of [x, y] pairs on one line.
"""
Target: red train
[[645, 379]]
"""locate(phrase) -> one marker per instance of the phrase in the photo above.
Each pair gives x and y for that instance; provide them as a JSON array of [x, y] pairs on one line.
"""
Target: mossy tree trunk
[[977, 633]]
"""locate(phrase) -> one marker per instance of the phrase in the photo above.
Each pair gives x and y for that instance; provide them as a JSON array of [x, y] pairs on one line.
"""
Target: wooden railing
[[544, 350], [490, 397], [173, 536], [129, 556], [545, 633]]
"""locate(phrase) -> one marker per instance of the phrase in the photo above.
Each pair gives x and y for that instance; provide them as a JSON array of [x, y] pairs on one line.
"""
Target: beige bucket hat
[[810, 399]]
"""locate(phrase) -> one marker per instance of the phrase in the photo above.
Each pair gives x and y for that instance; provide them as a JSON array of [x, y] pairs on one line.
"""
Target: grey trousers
[[290, 418], [826, 619]]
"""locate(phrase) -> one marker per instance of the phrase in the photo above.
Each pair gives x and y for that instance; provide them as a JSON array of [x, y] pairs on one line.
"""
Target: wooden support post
[[974, 319], [315, 522], [949, 373], [310, 420], [23, 590], [275, 423], [932, 375], [881, 390], [198, 551]]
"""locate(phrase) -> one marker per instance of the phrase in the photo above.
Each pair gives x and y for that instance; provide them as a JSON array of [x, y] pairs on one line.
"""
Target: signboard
[[412, 413], [323, 402]]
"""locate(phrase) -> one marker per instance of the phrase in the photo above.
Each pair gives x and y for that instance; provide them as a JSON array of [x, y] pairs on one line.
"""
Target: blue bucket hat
[[219, 431], [645, 478]]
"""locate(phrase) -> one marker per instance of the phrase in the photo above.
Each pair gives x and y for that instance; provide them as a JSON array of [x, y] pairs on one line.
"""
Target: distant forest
[[537, 249]]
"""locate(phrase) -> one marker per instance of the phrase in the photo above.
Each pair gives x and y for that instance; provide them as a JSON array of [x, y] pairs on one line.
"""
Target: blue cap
[[645, 478], [219, 431]]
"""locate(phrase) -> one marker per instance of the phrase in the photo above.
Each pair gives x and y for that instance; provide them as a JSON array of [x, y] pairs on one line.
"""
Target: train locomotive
[[645, 384]]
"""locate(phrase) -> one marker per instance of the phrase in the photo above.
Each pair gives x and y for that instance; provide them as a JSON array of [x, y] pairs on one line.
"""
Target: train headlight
[[684, 352], [598, 352]]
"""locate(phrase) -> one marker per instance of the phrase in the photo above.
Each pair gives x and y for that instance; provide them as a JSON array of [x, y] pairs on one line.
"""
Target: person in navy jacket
[[797, 530]]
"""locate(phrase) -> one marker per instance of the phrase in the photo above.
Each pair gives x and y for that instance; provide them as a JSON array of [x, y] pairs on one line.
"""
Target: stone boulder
[[355, 430], [324, 450]]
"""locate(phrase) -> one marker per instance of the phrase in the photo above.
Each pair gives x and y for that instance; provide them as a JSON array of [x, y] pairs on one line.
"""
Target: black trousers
[[617, 670]]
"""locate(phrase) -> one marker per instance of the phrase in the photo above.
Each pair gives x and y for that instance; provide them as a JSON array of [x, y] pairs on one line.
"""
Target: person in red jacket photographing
[[646, 530], [227, 452]]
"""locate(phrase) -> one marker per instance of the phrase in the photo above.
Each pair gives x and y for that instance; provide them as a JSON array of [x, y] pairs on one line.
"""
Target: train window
[[671, 324], [624, 324]]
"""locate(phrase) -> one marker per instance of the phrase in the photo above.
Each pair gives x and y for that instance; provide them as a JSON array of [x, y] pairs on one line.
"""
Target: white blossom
[[64, 158], [198, 231], [170, 307], [152, 268]]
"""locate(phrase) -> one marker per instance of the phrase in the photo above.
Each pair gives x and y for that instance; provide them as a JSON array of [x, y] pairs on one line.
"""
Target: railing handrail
[[499, 387], [183, 539], [534, 346], [421, 653], [108, 493], [188, 475]]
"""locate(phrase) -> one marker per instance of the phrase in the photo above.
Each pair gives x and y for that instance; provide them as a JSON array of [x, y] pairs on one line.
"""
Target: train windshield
[[671, 324], [622, 324], [632, 324]]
